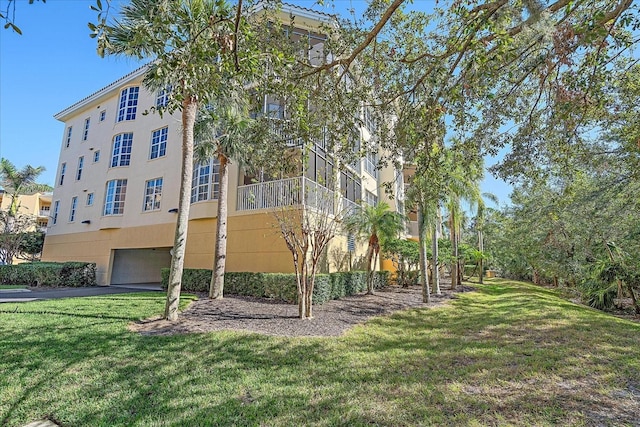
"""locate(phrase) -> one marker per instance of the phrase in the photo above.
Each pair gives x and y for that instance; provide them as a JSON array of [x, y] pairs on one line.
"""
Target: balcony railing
[[298, 191], [45, 212]]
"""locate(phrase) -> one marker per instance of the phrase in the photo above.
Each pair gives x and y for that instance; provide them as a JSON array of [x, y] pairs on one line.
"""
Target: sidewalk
[[26, 295]]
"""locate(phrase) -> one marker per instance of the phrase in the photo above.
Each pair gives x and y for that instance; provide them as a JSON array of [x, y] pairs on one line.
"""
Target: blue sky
[[54, 63]]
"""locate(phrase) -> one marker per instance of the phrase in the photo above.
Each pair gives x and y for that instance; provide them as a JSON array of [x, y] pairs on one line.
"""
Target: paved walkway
[[25, 295]]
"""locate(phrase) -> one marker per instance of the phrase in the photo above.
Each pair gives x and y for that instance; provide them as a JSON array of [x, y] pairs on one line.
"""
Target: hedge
[[54, 274], [280, 286]]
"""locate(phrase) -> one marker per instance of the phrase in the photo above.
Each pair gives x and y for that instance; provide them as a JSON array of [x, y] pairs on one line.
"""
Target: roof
[[110, 87]]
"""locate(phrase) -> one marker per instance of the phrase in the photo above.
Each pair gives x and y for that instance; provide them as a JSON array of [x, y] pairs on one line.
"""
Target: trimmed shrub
[[280, 286], [54, 274]]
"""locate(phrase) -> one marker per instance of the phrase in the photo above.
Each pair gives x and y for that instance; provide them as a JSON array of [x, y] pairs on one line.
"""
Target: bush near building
[[54, 274], [281, 286]]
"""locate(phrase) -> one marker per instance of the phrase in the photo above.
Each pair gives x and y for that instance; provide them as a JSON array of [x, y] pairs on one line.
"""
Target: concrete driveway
[[25, 295]]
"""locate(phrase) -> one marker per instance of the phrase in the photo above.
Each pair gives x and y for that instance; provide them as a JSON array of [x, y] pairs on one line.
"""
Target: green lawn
[[12, 287], [509, 354]]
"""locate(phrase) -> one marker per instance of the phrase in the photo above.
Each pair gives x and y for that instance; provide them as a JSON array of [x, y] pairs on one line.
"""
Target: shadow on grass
[[499, 355]]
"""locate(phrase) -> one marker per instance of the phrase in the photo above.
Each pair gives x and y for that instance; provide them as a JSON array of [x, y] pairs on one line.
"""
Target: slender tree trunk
[[434, 249], [370, 270], [189, 111], [454, 249], [216, 288], [309, 295], [424, 277], [480, 263]]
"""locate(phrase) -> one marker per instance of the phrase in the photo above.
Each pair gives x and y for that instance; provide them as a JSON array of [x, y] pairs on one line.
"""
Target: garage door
[[139, 265]]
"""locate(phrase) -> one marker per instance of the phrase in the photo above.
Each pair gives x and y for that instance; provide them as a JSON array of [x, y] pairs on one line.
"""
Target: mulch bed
[[268, 317]]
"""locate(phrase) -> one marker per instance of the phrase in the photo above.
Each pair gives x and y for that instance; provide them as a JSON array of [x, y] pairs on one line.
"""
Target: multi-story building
[[37, 205], [116, 192]]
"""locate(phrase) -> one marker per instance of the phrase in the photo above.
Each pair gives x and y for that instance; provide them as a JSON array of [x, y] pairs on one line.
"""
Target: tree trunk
[[189, 111], [480, 263], [309, 295], [369, 270], [436, 267], [216, 288], [454, 249], [424, 277]]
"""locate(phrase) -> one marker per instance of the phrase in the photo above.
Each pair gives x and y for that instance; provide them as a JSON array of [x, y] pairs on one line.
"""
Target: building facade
[[116, 192]]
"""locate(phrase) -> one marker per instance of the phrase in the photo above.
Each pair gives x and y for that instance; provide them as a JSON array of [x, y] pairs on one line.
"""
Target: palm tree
[[376, 223], [192, 46], [480, 218], [16, 181], [221, 133]]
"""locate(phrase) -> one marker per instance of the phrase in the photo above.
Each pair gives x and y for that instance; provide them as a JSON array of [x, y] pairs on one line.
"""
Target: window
[[152, 194], [206, 181], [90, 199], [275, 111], [371, 164], [80, 165], [96, 156], [162, 97], [114, 197], [56, 208], [103, 115], [63, 170], [128, 103], [121, 154], [350, 186], [159, 143], [68, 141], [371, 199], [72, 211], [85, 134]]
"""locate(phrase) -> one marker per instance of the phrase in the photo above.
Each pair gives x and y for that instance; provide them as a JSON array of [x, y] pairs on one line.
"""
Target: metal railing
[[298, 191]]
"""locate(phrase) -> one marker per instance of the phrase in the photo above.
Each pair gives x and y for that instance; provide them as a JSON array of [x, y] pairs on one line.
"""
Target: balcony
[[298, 191], [45, 212]]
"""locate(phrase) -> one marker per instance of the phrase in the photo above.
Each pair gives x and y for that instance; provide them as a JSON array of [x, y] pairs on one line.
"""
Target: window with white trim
[[103, 115], [114, 197], [56, 208], [96, 156], [68, 139], [80, 166], [121, 153], [72, 211], [206, 181], [371, 199], [152, 194], [159, 143], [128, 103], [371, 164], [162, 96], [63, 170], [85, 133], [90, 199]]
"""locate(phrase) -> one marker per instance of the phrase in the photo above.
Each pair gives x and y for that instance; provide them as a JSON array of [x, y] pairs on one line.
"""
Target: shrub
[[54, 274], [280, 286]]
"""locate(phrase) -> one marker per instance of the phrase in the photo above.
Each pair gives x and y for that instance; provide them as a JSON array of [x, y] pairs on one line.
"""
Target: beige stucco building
[[117, 184], [38, 205]]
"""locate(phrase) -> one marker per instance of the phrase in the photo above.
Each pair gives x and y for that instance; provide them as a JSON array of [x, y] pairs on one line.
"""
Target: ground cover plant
[[508, 354]]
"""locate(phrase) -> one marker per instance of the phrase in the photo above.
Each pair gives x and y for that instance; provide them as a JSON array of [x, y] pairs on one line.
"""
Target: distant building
[[38, 205]]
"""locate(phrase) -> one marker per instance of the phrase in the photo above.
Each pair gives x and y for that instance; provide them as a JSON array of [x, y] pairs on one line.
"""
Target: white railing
[[349, 208], [296, 191], [45, 212], [370, 168], [277, 126]]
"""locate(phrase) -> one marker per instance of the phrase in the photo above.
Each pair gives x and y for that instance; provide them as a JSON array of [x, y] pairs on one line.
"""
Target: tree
[[16, 182], [194, 49], [405, 255], [377, 224], [9, 15], [13, 235], [221, 133], [307, 231]]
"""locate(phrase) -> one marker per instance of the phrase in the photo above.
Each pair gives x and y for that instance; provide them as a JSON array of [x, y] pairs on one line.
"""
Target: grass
[[12, 287], [509, 354]]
